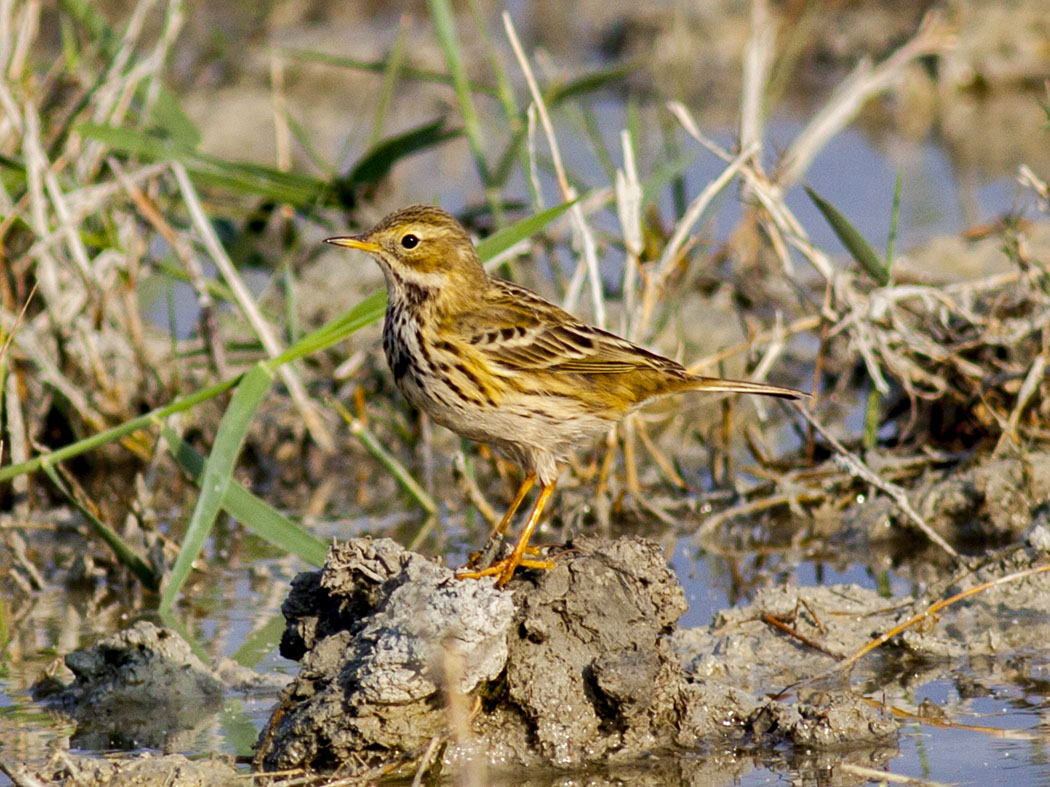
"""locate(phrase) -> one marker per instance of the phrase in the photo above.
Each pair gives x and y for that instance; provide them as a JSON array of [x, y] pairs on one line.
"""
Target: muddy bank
[[404, 667], [992, 500], [590, 668], [144, 688]]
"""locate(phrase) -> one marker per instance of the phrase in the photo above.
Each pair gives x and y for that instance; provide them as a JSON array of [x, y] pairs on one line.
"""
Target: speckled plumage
[[497, 363]]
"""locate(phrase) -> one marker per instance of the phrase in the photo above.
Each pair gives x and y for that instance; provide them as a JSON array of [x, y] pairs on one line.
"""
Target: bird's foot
[[487, 556], [504, 569]]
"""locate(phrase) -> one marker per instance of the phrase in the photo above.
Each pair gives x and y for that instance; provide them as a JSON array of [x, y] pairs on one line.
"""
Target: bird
[[498, 364]]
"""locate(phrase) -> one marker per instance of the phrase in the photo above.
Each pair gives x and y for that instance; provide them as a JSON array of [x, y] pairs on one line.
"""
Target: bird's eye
[[410, 241]]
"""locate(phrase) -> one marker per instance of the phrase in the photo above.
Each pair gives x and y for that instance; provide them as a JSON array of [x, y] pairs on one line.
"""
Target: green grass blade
[[589, 83], [260, 642], [895, 215], [215, 480], [254, 514], [364, 313], [167, 114], [387, 459], [445, 29], [668, 172], [504, 87], [252, 179], [380, 66], [124, 553], [238, 729], [117, 432], [515, 150], [374, 165], [501, 241], [390, 76], [854, 242]]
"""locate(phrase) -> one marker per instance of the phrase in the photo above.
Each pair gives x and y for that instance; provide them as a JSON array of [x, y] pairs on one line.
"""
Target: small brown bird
[[497, 363]]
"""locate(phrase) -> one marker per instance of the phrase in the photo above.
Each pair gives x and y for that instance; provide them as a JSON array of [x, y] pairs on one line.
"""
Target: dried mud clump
[[136, 688], [568, 667]]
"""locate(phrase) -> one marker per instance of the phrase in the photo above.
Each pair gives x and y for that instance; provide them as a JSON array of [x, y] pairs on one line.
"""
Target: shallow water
[[996, 737]]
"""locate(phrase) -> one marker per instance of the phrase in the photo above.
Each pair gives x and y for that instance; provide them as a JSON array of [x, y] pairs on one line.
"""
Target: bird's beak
[[355, 242]]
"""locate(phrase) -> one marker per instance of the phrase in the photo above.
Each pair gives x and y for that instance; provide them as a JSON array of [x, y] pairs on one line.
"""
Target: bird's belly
[[533, 430], [523, 431]]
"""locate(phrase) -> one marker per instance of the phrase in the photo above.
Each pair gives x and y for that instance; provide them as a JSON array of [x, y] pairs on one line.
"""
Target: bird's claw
[[504, 569]]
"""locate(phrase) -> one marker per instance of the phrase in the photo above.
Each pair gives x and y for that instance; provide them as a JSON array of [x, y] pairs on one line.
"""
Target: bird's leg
[[523, 490], [487, 555], [505, 568], [517, 556]]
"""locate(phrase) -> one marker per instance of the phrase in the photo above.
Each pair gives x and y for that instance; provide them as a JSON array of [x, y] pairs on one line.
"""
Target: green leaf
[[215, 480], [253, 179], [254, 514], [380, 159], [123, 552], [445, 30], [260, 642], [118, 431], [852, 240], [895, 215], [168, 115], [379, 66], [505, 238], [589, 83]]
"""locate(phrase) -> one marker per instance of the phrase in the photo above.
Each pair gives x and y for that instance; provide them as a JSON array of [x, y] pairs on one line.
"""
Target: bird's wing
[[518, 331]]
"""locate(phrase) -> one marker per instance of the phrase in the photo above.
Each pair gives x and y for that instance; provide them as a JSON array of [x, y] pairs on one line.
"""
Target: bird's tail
[[718, 385]]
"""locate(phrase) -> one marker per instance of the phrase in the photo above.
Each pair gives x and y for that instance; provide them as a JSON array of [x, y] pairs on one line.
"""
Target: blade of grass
[[851, 238], [500, 173], [670, 172], [588, 83], [380, 66], [124, 553], [390, 76], [238, 729], [895, 215], [445, 29], [592, 130], [242, 177], [374, 165], [215, 480], [260, 642], [117, 432], [387, 459], [254, 514], [505, 238]]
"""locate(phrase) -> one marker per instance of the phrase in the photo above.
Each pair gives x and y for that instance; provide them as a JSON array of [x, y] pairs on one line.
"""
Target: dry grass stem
[[209, 329], [583, 235], [758, 64], [854, 465], [307, 407], [856, 90], [933, 609]]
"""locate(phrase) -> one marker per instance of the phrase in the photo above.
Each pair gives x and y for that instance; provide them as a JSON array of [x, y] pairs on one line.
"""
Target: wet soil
[[404, 667], [594, 670]]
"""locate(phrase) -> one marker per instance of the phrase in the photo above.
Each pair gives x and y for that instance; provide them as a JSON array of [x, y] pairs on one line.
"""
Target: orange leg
[[488, 554], [526, 485], [505, 568]]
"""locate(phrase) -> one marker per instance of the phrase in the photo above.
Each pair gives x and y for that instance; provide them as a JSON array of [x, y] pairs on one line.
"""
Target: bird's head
[[420, 245]]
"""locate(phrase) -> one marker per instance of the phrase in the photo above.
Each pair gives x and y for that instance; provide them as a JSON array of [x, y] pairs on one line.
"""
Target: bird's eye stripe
[[410, 241]]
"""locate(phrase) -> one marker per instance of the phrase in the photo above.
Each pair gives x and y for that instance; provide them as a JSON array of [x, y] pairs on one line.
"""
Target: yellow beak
[[355, 242]]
